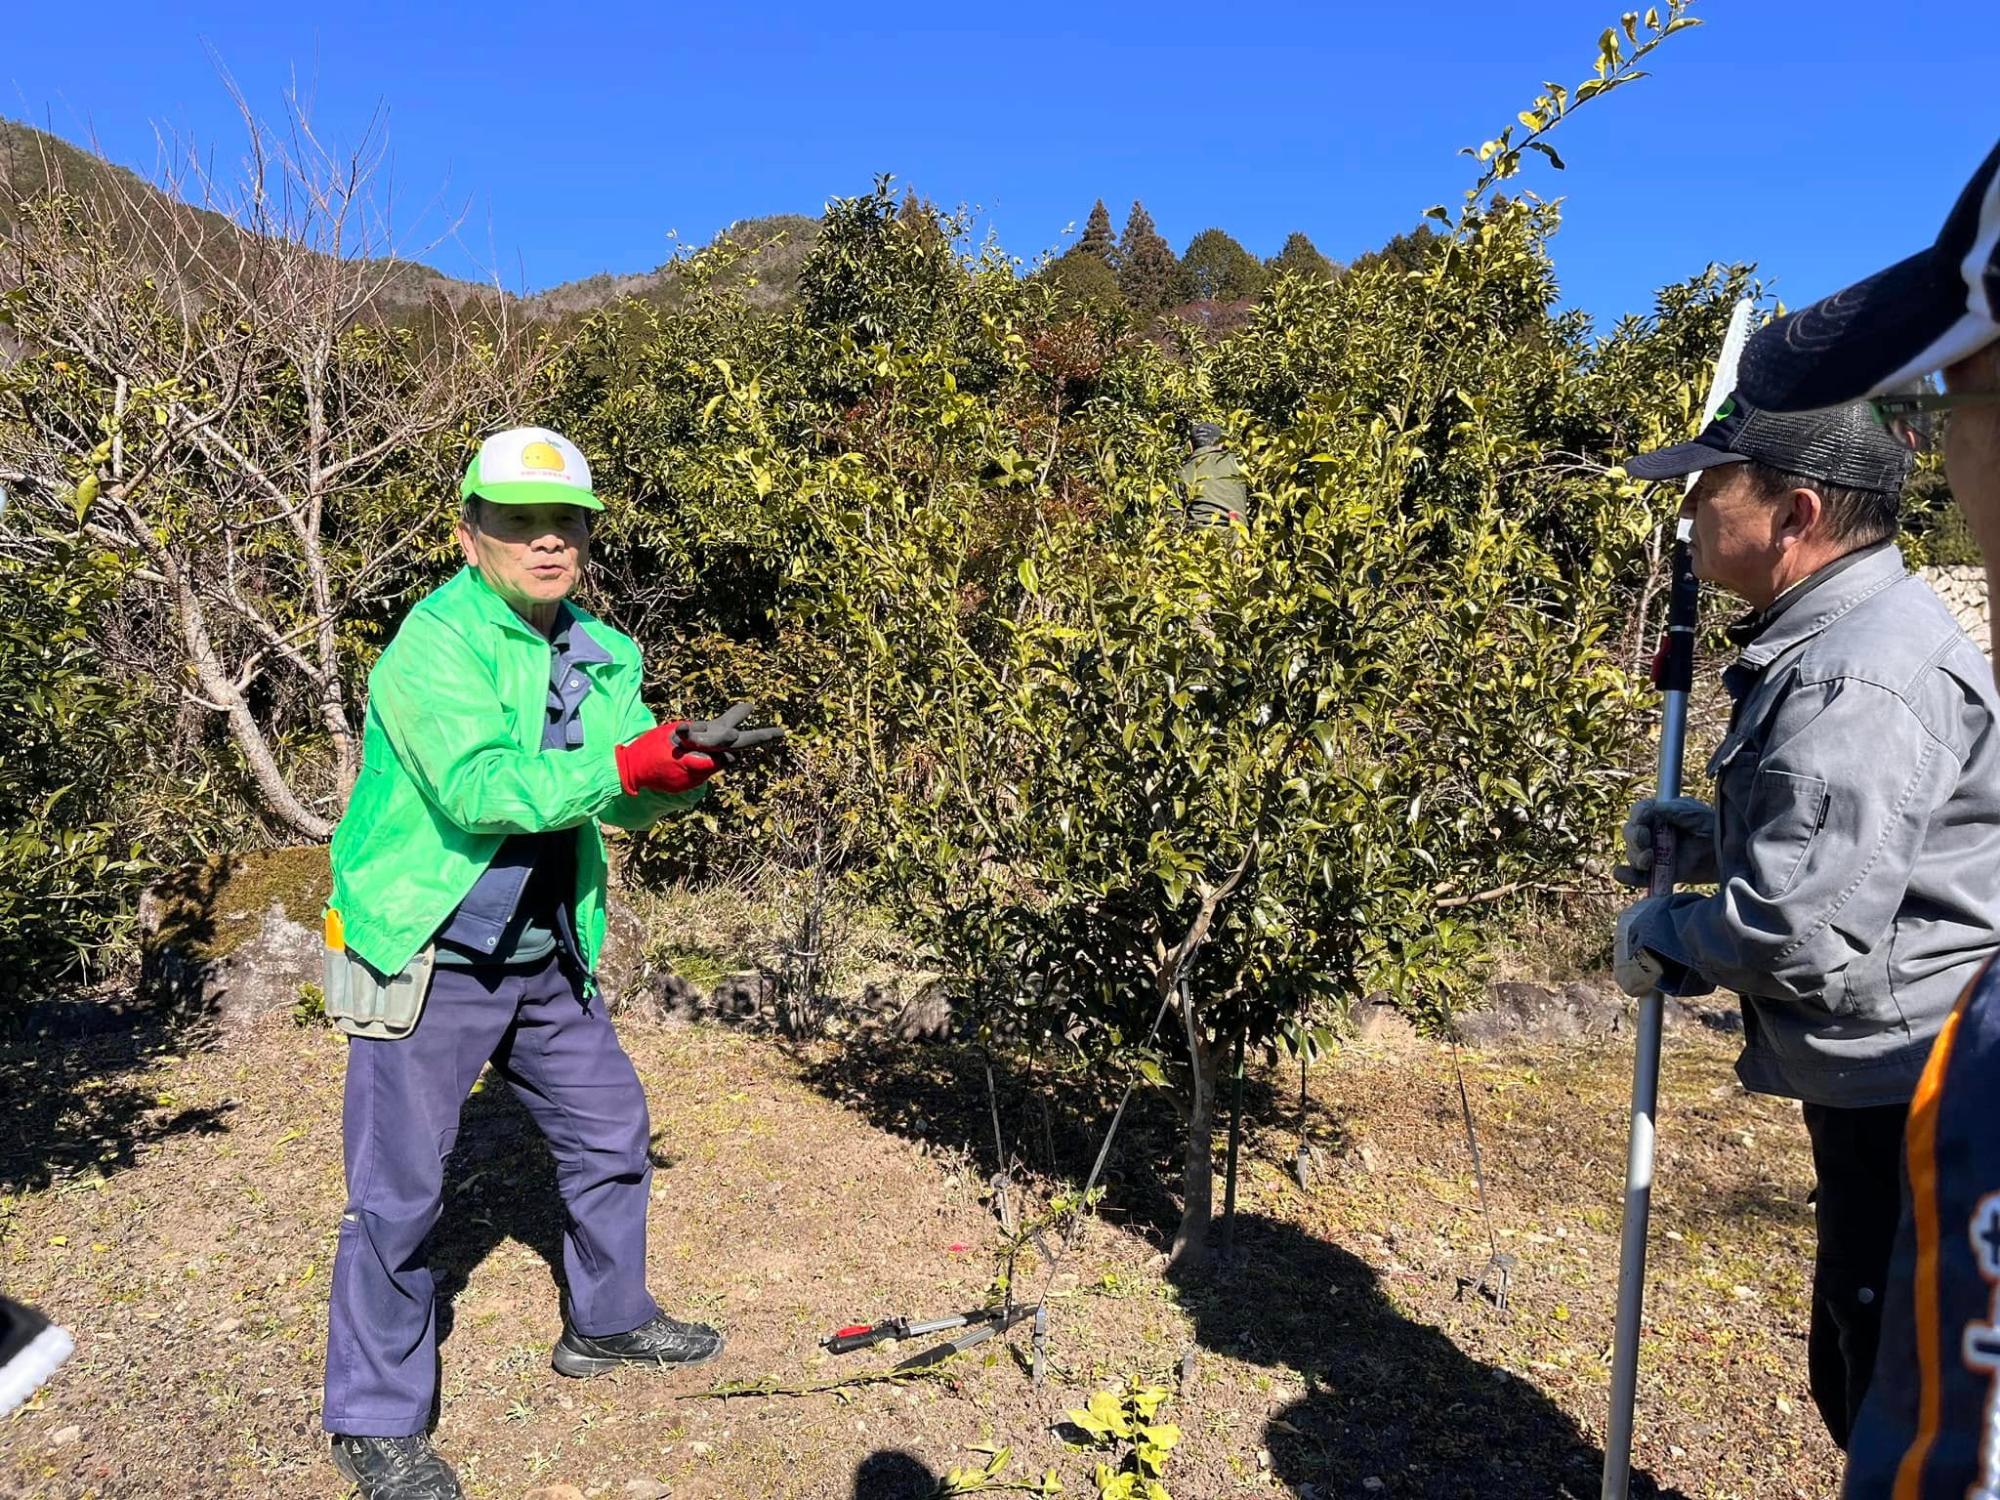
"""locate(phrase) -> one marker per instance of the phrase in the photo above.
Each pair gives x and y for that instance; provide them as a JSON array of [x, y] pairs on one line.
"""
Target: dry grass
[[178, 1214]]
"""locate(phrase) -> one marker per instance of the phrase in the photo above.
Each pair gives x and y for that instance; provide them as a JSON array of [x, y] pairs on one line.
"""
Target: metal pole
[[1003, 1173], [1235, 1137], [1676, 671], [1675, 676]]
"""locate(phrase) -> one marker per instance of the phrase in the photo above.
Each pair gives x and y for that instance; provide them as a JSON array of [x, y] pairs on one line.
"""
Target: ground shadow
[[499, 1185], [891, 1474], [1387, 1398], [1051, 1122], [73, 1070], [75, 1061]]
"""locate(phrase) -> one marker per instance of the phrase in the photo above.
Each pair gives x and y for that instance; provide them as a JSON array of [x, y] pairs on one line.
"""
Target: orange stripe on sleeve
[[1921, 1143]]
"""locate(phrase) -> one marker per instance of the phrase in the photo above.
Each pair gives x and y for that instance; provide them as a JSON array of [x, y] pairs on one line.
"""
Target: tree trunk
[[1190, 1252], [225, 696], [1235, 1141]]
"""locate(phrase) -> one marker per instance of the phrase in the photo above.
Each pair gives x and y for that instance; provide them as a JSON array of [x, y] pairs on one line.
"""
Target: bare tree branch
[[224, 398]]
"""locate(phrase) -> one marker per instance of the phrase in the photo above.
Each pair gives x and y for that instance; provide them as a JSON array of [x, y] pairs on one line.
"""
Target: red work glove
[[655, 762]]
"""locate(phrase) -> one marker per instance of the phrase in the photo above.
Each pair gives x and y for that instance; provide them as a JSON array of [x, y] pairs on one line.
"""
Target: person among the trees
[[1213, 491], [1930, 1428], [1854, 841], [504, 724]]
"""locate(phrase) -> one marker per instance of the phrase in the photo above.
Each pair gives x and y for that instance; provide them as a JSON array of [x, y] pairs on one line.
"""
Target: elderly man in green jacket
[[504, 725]]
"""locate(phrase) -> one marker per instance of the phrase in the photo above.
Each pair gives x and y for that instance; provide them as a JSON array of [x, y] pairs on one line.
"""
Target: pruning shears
[[981, 1324], [724, 739]]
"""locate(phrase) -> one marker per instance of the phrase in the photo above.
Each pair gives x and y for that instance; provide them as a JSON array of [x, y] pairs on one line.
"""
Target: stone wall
[[1963, 589]]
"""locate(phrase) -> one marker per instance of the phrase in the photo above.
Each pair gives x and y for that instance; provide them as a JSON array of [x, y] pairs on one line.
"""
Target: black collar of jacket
[[1812, 604]]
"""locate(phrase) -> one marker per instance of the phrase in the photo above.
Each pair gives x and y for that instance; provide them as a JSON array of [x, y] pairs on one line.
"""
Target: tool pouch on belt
[[363, 1001]]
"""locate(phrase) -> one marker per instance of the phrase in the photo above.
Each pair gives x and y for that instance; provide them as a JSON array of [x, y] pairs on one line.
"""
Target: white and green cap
[[530, 466]]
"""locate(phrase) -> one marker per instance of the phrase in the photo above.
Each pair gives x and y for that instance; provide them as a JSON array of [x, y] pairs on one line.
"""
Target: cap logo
[[542, 456], [1727, 408]]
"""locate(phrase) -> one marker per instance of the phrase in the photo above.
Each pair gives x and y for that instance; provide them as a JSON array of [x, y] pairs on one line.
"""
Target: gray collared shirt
[[1857, 835], [494, 923]]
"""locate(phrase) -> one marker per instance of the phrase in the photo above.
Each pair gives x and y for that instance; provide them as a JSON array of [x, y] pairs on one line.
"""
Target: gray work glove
[[1638, 969], [1693, 823]]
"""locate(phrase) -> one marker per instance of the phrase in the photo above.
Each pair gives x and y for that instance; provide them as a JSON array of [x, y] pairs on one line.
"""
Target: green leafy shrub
[[1112, 769], [1124, 1420], [73, 772]]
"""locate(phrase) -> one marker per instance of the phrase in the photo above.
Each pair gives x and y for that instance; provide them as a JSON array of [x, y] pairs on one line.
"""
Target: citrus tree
[[1230, 776], [1108, 768]]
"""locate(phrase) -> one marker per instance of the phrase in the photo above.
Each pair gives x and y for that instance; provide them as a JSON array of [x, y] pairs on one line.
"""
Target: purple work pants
[[401, 1118]]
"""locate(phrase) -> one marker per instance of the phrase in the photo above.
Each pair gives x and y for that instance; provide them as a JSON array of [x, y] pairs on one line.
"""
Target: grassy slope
[[772, 248], [32, 161], [178, 1214]]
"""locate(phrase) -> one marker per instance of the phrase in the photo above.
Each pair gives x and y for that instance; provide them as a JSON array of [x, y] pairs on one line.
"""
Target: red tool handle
[[860, 1336]]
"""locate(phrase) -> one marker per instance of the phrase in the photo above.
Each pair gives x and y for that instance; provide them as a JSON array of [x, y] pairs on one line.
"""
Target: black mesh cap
[[1840, 445]]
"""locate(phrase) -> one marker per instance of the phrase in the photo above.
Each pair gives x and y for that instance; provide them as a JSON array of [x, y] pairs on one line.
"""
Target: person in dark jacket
[[1854, 841], [1213, 492], [1930, 1427]]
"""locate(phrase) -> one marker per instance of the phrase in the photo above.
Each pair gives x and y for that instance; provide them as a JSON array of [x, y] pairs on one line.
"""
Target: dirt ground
[[177, 1212]]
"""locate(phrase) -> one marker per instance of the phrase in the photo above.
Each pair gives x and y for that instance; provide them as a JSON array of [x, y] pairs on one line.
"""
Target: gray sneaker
[[395, 1468], [663, 1341]]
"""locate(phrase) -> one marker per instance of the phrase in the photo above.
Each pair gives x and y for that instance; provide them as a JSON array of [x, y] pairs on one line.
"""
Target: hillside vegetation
[[1097, 768], [1142, 274]]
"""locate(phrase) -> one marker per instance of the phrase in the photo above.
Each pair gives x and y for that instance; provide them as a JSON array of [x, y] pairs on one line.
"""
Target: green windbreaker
[[451, 763], [1213, 490]]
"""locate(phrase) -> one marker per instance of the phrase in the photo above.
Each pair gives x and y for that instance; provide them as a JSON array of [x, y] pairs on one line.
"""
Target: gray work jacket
[[1858, 838]]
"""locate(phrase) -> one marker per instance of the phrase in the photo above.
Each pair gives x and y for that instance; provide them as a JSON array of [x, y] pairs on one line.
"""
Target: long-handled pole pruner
[[1674, 675]]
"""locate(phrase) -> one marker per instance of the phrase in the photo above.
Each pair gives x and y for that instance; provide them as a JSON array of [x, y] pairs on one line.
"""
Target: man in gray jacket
[[1928, 1429], [1854, 841]]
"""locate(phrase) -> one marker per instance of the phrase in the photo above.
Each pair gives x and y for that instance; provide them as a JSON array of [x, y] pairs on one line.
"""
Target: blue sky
[[1820, 140]]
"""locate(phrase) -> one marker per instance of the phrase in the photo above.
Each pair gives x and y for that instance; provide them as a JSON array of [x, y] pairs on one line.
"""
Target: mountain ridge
[[35, 162]]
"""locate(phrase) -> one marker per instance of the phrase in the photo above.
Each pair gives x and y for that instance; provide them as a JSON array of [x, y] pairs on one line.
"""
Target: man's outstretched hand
[[680, 756]]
